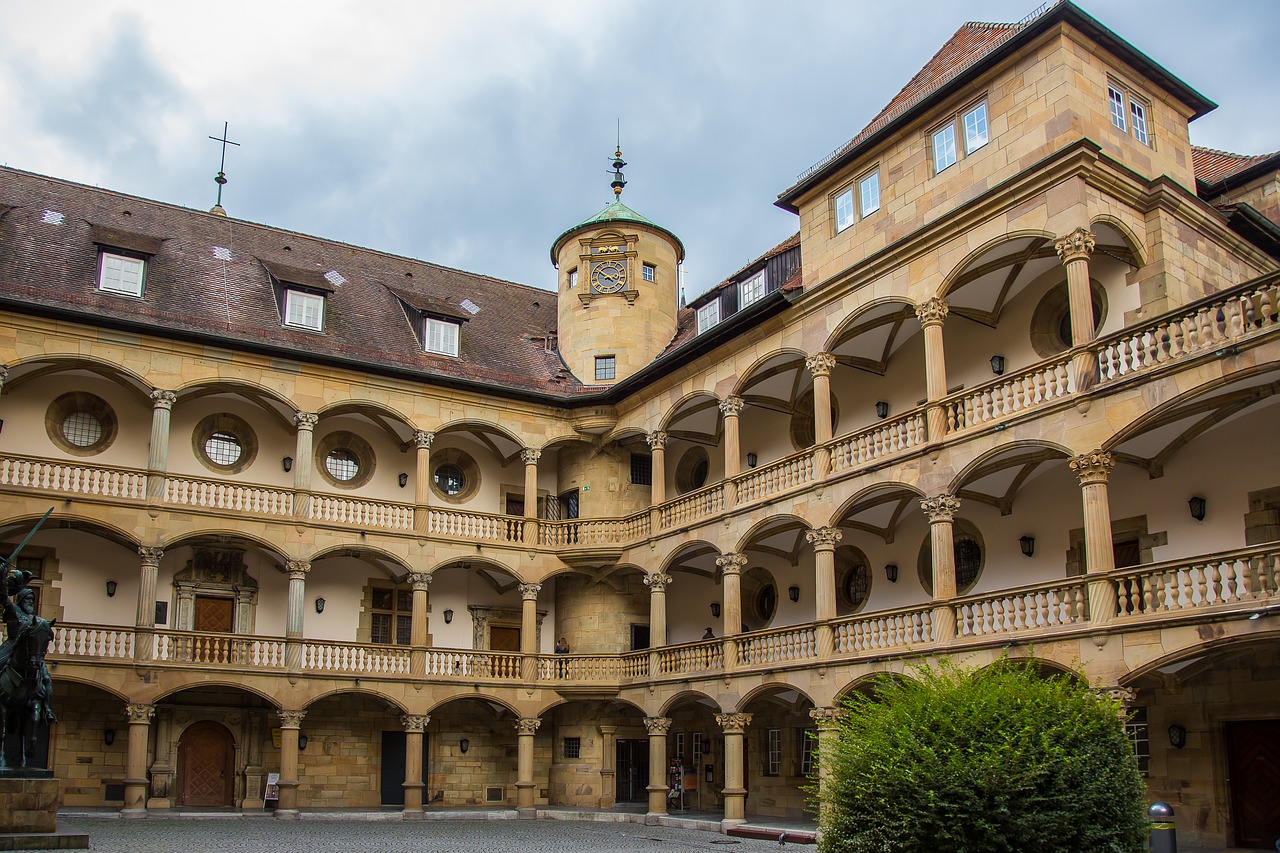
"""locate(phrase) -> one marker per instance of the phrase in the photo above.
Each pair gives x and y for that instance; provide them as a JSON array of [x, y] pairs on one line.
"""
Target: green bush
[[977, 761]]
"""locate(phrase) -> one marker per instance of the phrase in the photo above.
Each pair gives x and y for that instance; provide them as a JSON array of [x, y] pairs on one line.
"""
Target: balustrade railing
[[320, 656], [780, 645], [704, 656], [1008, 395], [92, 641], [868, 445], [693, 506], [219, 495], [589, 668], [217, 649], [775, 477], [878, 632], [1038, 608], [1231, 578], [362, 513], [48, 475], [594, 531], [457, 524], [469, 665]]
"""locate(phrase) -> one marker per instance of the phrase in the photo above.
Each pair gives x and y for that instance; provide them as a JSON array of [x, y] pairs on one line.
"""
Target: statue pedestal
[[29, 813]]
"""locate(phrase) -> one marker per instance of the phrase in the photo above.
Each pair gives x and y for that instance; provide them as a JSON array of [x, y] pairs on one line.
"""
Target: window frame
[[807, 737], [981, 107], [606, 368], [773, 752], [572, 277], [756, 285], [705, 311], [845, 213], [948, 128], [648, 272], [867, 177], [431, 325], [956, 127], [1130, 112], [124, 256], [393, 614], [292, 293]]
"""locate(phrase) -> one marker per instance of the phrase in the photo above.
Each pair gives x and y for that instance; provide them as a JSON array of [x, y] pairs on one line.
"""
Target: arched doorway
[[205, 761]]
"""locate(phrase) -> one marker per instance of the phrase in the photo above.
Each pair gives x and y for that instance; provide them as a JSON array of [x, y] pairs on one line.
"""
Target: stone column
[[422, 478], [420, 582], [297, 571], [731, 407], [1074, 250], [821, 365], [658, 446], [735, 791], [145, 622], [413, 784], [290, 723], [941, 511], [1099, 554], [730, 566], [931, 314], [823, 540], [158, 457], [135, 771], [529, 629], [303, 462], [530, 458], [526, 728], [827, 720], [657, 728], [657, 584]]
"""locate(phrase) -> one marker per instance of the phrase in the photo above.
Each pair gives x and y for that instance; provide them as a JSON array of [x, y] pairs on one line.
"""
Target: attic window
[[708, 315], [121, 274], [752, 289], [441, 336], [304, 310]]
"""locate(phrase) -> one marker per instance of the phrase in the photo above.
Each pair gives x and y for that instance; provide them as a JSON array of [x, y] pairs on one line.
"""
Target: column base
[[729, 823]]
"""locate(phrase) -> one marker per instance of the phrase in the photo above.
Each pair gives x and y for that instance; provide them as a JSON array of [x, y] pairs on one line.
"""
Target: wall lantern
[[1027, 544], [1198, 506], [464, 745], [715, 609], [882, 409], [448, 617], [997, 365], [793, 593], [109, 737], [302, 743], [752, 459], [1177, 736], [111, 589], [287, 462], [320, 605], [891, 572], [404, 479]]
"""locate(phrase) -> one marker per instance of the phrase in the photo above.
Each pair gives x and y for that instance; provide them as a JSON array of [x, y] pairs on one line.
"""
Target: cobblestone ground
[[454, 836]]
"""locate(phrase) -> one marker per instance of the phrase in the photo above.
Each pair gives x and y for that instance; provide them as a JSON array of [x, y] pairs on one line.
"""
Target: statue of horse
[[23, 689]]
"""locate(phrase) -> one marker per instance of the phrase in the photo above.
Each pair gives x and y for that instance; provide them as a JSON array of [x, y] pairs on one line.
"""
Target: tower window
[[649, 271], [606, 367], [573, 278]]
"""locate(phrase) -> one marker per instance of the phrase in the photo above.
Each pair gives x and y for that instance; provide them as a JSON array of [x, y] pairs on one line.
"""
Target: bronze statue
[[25, 686]]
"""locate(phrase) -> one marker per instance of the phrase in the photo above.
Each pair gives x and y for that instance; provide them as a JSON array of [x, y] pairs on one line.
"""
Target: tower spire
[[221, 178], [619, 181]]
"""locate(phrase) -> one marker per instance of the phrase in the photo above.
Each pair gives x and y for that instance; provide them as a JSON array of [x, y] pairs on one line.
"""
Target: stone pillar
[[1099, 554], [657, 584], [735, 791], [657, 728], [526, 728], [413, 726], [941, 511], [931, 314], [1074, 250], [135, 770], [297, 571], [303, 462], [823, 540], [827, 720], [731, 407], [820, 366], [529, 629], [530, 458], [658, 446], [420, 582], [422, 478], [730, 566], [290, 723], [145, 622], [158, 457], [608, 769]]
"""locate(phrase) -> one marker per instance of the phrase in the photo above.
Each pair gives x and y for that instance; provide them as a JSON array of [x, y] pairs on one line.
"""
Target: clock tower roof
[[615, 212]]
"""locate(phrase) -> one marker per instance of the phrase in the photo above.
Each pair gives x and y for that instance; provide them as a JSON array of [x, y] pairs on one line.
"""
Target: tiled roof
[[789, 243], [616, 212], [208, 278], [1212, 165]]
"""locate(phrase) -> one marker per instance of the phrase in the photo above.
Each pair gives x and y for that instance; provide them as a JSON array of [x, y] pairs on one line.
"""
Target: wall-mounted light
[[793, 593], [404, 479], [752, 459], [891, 572], [464, 745], [111, 589], [715, 609], [287, 462], [1177, 736], [1, 424], [1027, 544], [448, 617], [320, 605], [109, 737], [302, 743], [997, 365], [1197, 505], [882, 409]]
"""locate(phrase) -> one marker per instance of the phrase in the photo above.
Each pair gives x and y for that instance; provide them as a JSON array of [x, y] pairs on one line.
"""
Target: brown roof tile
[[1212, 165]]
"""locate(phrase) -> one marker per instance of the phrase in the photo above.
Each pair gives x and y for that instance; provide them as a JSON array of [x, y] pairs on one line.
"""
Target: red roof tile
[[1212, 165]]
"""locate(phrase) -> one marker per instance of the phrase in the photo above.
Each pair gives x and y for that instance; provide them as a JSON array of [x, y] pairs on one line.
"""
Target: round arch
[[698, 548], [560, 701], [111, 371], [197, 681], [363, 552], [1044, 667], [854, 321], [71, 521], [685, 697], [784, 355], [764, 690], [1034, 237], [869, 493], [771, 526], [361, 691], [1024, 451], [1129, 240], [192, 537], [64, 677], [349, 405], [480, 697], [1199, 648], [704, 399], [469, 563]]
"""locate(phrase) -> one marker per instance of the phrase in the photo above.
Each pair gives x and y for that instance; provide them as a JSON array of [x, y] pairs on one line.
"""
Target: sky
[[471, 133]]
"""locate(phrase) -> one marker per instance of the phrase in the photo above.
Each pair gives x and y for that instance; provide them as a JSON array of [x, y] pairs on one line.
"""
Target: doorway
[[639, 637], [393, 765], [504, 639], [632, 770], [213, 615], [1253, 761], [205, 765]]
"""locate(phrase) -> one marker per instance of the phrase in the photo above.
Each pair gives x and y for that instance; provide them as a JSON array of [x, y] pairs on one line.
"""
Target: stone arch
[[395, 704], [773, 523], [481, 697], [469, 563], [560, 701], [866, 684], [1034, 235], [1198, 647], [1044, 667], [685, 696], [63, 677], [769, 687], [695, 548], [368, 553], [1137, 257], [125, 378], [784, 355], [265, 547], [59, 520], [1013, 450], [868, 492], [198, 680], [687, 399], [876, 306]]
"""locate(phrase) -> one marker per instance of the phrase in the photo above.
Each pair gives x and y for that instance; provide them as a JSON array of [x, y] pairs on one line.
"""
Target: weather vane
[[618, 181], [222, 167]]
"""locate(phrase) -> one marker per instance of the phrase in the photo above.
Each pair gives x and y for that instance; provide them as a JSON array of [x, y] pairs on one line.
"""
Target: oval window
[[450, 480], [342, 464]]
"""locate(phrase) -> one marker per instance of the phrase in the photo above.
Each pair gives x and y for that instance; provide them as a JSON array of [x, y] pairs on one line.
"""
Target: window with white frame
[[573, 278], [606, 367], [752, 289], [1116, 98], [869, 194], [679, 745], [1128, 112], [844, 209], [971, 123], [649, 272], [773, 752], [121, 274], [697, 748], [441, 337], [975, 128], [806, 752], [708, 315], [944, 147], [304, 310]]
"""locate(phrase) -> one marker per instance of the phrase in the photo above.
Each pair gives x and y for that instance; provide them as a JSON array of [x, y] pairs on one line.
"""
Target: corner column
[[735, 791], [657, 584], [297, 571], [145, 622], [823, 540], [931, 314], [828, 721], [420, 582], [529, 629], [303, 462], [1099, 555], [1074, 250], [526, 728], [290, 723], [941, 511], [658, 490], [422, 478], [158, 456], [135, 771], [413, 784], [657, 727], [530, 458]]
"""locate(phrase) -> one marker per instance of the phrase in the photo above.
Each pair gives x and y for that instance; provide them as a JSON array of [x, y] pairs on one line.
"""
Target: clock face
[[608, 276]]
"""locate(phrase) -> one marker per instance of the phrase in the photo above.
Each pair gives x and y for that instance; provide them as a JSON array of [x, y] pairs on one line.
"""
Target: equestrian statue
[[25, 686]]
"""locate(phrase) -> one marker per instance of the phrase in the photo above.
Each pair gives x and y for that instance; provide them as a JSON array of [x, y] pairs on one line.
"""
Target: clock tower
[[618, 290]]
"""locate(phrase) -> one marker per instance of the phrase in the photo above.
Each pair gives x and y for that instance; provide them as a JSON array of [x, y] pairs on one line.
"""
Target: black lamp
[[1198, 506], [1177, 736], [997, 365], [752, 459], [287, 462], [404, 479], [448, 617], [793, 593], [320, 605], [882, 409], [464, 745], [111, 589], [891, 572], [1027, 544], [715, 609], [302, 742], [109, 737]]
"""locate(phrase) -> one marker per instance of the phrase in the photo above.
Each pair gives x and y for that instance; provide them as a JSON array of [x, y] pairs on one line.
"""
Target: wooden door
[[1253, 760], [502, 639], [205, 771], [515, 505], [213, 615]]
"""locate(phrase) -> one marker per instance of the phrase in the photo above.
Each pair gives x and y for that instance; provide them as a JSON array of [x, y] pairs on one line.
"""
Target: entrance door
[[639, 637], [205, 773], [212, 615], [632, 770], [503, 639], [393, 765], [1253, 760]]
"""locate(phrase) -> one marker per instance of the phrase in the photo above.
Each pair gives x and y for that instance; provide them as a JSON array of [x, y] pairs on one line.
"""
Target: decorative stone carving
[[932, 312], [731, 564], [731, 406], [415, 722], [1126, 696], [305, 420], [657, 440], [941, 508], [529, 456], [220, 572], [422, 439], [297, 569], [151, 556], [657, 725], [657, 582], [1078, 245], [527, 726], [291, 719], [529, 591], [820, 364], [733, 724], [139, 713], [420, 581], [163, 399], [1093, 467], [823, 538], [826, 717]]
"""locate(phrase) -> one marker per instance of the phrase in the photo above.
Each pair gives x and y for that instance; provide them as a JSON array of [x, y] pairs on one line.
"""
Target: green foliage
[[978, 761]]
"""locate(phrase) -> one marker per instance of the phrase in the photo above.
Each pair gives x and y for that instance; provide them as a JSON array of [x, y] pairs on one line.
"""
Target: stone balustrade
[[49, 475], [228, 496]]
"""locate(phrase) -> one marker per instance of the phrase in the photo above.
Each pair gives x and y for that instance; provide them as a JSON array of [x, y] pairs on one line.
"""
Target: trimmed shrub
[[979, 761]]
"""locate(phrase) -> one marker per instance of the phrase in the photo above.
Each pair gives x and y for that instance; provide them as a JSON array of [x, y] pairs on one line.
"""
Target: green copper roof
[[616, 212]]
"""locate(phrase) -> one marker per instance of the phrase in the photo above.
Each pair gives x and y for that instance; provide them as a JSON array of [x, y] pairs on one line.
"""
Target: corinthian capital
[[731, 406], [823, 537], [657, 440], [414, 722], [305, 420], [527, 725], [731, 564], [820, 364], [940, 508], [733, 723], [422, 439], [932, 312], [657, 725], [657, 582], [826, 717], [150, 556], [139, 713], [163, 399], [530, 456], [297, 569], [1093, 467], [1078, 245], [291, 719], [529, 591], [420, 581]]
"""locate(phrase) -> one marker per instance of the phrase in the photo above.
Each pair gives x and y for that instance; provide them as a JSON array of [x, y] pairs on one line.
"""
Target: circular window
[[692, 470], [759, 599], [803, 432], [853, 578], [967, 551], [455, 476], [81, 423], [345, 459], [1051, 320], [225, 443]]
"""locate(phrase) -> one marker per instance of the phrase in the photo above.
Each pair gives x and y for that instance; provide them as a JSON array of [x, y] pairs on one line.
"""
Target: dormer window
[[121, 274], [752, 289], [441, 337], [708, 315], [304, 310]]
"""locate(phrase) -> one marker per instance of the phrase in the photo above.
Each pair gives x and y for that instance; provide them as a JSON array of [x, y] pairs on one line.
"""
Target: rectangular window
[[773, 750], [573, 278], [391, 620], [1139, 115], [752, 289], [844, 210], [679, 745], [649, 271], [641, 469], [442, 337], [304, 310], [697, 748], [806, 752], [975, 128], [1140, 736], [708, 315], [606, 367], [944, 147], [1117, 106], [120, 274], [869, 194], [572, 747]]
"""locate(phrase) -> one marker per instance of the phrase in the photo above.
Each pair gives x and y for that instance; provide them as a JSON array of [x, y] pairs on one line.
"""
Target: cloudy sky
[[471, 133]]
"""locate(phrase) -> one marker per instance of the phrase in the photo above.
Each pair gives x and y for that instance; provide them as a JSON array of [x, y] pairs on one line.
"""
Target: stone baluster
[[941, 512], [135, 771], [158, 455], [735, 791], [303, 462], [290, 725], [657, 727], [1074, 251], [1099, 555], [931, 314], [526, 728], [414, 724]]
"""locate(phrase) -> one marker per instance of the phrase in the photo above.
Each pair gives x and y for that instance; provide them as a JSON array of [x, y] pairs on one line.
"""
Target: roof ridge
[[1224, 153]]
